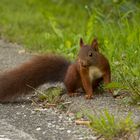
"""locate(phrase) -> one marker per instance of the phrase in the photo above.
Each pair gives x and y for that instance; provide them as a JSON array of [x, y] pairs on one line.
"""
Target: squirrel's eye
[[90, 54]]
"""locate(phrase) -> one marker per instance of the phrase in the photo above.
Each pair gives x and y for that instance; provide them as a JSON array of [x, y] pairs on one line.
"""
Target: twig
[[65, 103], [82, 122]]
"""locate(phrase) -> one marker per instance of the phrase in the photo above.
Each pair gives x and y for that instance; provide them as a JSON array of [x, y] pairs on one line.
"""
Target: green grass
[[109, 127], [49, 98], [56, 26], [52, 95]]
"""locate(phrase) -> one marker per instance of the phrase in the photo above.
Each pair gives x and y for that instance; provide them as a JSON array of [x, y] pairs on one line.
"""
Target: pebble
[[21, 51], [68, 131], [32, 112], [2, 136], [60, 117], [38, 129], [44, 133], [81, 138], [61, 128], [23, 106], [18, 113]]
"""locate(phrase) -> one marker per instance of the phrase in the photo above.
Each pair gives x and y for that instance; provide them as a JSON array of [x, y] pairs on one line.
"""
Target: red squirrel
[[89, 69]]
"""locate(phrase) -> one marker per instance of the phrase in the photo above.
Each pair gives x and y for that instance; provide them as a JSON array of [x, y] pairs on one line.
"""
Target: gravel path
[[50, 124]]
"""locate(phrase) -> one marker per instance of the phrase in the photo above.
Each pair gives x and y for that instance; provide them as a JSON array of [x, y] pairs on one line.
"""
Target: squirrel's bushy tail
[[37, 71]]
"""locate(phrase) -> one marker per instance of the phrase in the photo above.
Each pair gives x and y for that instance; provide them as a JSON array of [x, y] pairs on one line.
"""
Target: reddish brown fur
[[78, 73], [37, 71], [72, 79]]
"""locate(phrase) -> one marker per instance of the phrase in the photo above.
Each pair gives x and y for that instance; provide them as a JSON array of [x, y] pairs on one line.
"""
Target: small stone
[[70, 119], [21, 51], [53, 125], [23, 106], [18, 113], [60, 117], [44, 133], [32, 112], [2, 136], [49, 124], [62, 128], [68, 131], [53, 122], [81, 138], [38, 129]]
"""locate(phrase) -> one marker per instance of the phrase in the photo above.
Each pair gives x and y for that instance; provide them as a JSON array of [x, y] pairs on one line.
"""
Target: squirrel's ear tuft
[[81, 42], [94, 44]]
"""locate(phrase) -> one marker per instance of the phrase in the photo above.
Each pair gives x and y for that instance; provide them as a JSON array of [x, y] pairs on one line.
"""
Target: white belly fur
[[94, 73]]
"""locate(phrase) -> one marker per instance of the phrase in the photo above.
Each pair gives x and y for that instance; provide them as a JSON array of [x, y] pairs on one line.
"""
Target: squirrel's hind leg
[[72, 80]]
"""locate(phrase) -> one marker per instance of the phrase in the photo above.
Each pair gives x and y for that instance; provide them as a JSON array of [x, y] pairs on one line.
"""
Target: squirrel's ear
[[81, 42], [94, 44]]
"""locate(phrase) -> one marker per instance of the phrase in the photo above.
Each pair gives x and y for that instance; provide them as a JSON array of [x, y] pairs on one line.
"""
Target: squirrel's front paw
[[89, 96]]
